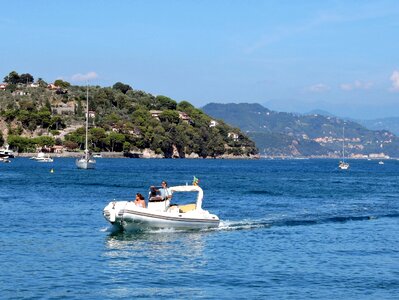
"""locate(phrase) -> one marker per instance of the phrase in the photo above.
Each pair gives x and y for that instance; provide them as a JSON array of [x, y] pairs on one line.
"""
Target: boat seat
[[156, 199], [187, 208]]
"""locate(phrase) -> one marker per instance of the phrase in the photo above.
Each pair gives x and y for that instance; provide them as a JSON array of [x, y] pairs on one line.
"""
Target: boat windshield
[[184, 198]]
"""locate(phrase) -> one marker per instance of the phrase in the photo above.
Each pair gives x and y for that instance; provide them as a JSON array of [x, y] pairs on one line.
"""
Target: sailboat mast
[[343, 144], [87, 122]]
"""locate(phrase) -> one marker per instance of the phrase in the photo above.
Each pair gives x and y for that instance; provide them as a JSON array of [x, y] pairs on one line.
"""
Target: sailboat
[[342, 164], [86, 162]]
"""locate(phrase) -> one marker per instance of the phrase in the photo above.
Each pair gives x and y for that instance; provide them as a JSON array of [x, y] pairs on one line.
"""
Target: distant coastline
[[121, 155], [230, 157]]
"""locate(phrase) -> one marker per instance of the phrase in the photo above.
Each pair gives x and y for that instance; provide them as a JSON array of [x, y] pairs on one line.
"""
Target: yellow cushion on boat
[[186, 208]]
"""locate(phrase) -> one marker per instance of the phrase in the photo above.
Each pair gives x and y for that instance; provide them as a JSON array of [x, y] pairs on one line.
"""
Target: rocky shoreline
[[145, 155]]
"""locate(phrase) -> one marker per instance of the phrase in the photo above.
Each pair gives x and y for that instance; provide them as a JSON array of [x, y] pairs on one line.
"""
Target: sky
[[294, 56]]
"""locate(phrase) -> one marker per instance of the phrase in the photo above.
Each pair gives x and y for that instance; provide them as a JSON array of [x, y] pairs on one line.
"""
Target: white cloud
[[357, 85], [395, 80], [318, 88], [84, 77]]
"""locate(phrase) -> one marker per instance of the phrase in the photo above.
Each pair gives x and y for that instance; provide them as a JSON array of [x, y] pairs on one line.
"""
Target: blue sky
[[340, 56]]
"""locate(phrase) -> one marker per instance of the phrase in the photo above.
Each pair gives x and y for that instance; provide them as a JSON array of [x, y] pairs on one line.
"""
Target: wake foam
[[288, 222], [248, 224]]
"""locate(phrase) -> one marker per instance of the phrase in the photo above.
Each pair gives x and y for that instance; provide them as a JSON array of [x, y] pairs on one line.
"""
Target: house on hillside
[[19, 93], [64, 109], [233, 136], [3, 86], [57, 149], [185, 117], [52, 86], [155, 113], [213, 123]]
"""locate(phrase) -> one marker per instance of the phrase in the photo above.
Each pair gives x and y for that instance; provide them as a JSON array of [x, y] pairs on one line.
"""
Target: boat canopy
[[190, 188]]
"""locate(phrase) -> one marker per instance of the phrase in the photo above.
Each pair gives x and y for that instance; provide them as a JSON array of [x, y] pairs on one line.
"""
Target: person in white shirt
[[166, 193]]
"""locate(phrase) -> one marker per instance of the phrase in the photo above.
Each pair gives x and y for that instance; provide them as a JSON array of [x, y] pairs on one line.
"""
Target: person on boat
[[154, 194], [166, 193], [139, 201]]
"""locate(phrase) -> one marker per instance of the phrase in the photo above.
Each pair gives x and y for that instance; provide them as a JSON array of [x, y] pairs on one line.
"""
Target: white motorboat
[[6, 152], [41, 157], [125, 215]]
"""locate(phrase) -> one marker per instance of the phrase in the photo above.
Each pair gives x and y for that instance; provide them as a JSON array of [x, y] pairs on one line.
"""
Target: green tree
[[44, 141], [12, 78], [215, 146], [115, 141], [10, 115], [20, 144], [11, 87], [170, 116], [56, 123], [79, 110], [25, 78], [98, 137], [62, 84], [126, 146], [44, 118], [42, 83], [71, 145], [141, 117], [185, 106], [48, 104], [78, 137], [124, 88], [165, 102]]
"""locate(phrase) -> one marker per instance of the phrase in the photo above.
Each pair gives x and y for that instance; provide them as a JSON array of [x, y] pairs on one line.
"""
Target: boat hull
[[85, 164], [134, 221]]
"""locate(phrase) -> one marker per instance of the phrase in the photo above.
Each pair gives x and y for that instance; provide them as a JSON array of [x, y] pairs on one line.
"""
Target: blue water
[[291, 229]]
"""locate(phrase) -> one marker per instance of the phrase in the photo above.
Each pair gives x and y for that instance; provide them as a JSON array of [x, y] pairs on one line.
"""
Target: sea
[[290, 229]]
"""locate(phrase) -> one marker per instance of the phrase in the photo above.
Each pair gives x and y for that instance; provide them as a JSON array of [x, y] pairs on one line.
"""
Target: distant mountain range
[[390, 124], [310, 135]]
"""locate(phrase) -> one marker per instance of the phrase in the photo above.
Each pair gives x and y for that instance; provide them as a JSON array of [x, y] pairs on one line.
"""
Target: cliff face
[[286, 134]]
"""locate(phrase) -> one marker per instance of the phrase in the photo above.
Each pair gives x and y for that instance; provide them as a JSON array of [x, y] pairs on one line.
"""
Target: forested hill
[[36, 115], [287, 134]]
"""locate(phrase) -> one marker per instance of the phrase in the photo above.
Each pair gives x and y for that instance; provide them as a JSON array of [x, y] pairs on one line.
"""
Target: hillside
[[286, 134], [391, 124], [41, 115]]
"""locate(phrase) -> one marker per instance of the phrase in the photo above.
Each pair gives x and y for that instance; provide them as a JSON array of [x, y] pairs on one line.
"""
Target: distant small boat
[[342, 164], [86, 162], [41, 157], [4, 159], [380, 162], [5, 152], [97, 155]]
